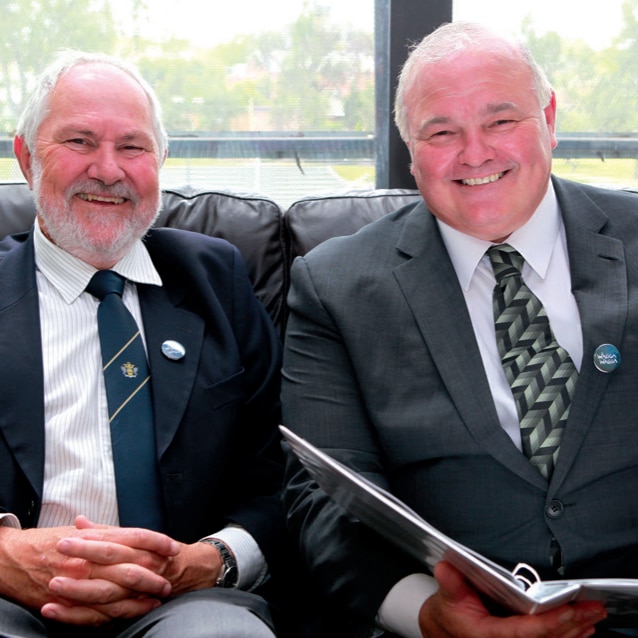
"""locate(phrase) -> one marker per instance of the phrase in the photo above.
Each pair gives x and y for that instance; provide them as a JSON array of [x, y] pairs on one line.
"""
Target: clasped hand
[[88, 574]]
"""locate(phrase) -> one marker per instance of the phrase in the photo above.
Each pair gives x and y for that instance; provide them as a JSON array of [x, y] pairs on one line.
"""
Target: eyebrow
[[500, 107], [135, 134]]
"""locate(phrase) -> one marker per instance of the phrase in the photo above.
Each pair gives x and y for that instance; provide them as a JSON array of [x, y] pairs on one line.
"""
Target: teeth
[[87, 197], [482, 180]]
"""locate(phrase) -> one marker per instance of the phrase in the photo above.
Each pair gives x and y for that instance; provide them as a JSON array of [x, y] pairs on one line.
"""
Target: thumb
[[452, 585]]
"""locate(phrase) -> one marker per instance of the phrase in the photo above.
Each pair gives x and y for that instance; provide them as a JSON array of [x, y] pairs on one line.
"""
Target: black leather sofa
[[268, 236]]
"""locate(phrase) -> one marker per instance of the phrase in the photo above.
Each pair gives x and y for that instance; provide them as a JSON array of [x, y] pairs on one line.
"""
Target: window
[[278, 100], [294, 98]]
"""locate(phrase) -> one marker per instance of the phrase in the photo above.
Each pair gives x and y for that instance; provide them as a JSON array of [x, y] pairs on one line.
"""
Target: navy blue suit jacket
[[216, 410]]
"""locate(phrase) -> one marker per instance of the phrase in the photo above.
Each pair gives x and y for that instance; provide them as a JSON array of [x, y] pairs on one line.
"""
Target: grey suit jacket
[[382, 370]]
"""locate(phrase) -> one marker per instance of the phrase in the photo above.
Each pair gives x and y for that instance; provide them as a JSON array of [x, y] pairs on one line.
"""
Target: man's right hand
[[456, 611], [31, 561]]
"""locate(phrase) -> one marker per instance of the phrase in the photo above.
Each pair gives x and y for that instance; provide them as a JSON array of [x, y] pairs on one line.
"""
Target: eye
[[132, 150], [503, 123], [76, 141], [440, 136]]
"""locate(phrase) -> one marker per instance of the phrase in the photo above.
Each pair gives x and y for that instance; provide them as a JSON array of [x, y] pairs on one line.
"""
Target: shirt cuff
[[251, 564], [10, 520], [399, 612]]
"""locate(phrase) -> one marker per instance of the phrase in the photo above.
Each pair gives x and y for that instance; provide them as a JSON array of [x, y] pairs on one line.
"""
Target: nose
[[476, 149], [105, 166]]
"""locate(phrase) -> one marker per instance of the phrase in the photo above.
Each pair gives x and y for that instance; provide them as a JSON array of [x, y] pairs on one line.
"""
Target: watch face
[[229, 574], [229, 578]]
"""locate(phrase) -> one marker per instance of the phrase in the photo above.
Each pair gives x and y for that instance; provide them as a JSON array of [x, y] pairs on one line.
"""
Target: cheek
[[146, 178], [430, 170], [60, 169]]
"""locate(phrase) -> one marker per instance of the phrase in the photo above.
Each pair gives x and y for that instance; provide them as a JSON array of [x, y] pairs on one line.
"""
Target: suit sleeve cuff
[[9, 520], [399, 612]]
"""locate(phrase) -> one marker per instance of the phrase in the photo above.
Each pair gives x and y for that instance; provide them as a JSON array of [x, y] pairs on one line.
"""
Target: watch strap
[[228, 575]]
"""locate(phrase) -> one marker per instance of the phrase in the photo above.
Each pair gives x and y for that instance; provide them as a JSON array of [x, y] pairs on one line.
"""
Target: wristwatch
[[228, 575]]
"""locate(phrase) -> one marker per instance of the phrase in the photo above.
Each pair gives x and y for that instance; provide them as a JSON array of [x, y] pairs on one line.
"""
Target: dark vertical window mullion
[[398, 24]]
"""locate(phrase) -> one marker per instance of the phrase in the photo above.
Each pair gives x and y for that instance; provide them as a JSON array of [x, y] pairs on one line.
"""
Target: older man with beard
[[90, 144]]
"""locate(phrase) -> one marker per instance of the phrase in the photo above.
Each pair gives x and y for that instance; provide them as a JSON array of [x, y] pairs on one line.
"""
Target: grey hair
[[449, 40], [37, 105]]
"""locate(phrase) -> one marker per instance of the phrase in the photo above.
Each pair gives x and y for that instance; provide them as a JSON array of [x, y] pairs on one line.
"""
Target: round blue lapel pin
[[606, 357], [173, 350]]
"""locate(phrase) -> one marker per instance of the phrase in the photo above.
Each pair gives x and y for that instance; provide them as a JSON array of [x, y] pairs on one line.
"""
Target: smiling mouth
[[478, 181], [87, 197]]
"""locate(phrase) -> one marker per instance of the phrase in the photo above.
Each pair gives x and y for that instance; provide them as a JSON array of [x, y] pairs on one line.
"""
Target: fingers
[[123, 570], [109, 553], [130, 536], [101, 614], [110, 583], [457, 610], [570, 621]]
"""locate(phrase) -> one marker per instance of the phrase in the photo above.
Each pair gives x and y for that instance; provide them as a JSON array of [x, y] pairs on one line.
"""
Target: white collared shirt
[[541, 241], [79, 475]]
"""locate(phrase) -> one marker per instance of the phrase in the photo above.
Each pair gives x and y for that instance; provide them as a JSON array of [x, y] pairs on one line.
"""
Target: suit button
[[555, 509]]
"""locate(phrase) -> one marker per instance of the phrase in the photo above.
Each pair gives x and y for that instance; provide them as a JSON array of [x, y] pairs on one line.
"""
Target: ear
[[411, 159], [23, 155], [550, 119]]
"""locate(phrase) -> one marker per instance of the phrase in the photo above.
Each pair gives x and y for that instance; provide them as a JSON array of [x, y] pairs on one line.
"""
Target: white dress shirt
[[541, 241], [78, 468]]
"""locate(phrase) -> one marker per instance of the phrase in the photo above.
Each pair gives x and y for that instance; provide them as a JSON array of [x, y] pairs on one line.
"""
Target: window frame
[[398, 24]]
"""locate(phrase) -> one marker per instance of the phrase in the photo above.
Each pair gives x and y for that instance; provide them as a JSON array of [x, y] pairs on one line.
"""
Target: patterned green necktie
[[540, 372]]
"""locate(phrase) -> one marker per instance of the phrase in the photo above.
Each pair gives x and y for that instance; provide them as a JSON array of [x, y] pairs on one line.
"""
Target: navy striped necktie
[[540, 372], [128, 392]]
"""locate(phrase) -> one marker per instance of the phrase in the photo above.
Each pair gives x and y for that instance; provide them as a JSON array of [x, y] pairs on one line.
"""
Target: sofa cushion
[[311, 220], [17, 210], [251, 222]]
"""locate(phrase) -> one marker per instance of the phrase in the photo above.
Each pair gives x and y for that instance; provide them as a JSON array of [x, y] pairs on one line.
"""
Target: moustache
[[99, 190]]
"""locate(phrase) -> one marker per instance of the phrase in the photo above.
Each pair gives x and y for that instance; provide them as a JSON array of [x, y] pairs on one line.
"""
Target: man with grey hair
[[162, 516], [476, 354]]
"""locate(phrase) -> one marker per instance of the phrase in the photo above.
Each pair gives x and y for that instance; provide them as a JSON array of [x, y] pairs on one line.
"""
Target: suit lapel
[[171, 380], [439, 309], [21, 378], [599, 284]]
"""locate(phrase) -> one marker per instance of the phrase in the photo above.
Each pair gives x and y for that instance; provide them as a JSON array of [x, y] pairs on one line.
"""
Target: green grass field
[[611, 172]]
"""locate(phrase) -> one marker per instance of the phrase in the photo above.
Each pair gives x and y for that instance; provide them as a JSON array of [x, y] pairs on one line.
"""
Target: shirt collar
[[70, 275], [535, 240]]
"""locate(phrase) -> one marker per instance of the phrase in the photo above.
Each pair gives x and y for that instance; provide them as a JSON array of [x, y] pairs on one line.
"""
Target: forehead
[[472, 81], [99, 95]]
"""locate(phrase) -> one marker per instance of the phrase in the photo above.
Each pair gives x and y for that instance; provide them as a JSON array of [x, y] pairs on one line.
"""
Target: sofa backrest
[[311, 220], [268, 238], [252, 222]]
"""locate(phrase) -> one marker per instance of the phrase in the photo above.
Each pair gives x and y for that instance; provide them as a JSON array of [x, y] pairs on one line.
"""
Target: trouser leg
[[207, 613]]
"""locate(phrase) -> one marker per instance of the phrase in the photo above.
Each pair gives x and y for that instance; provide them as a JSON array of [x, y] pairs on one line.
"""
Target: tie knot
[[506, 261], [104, 282]]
